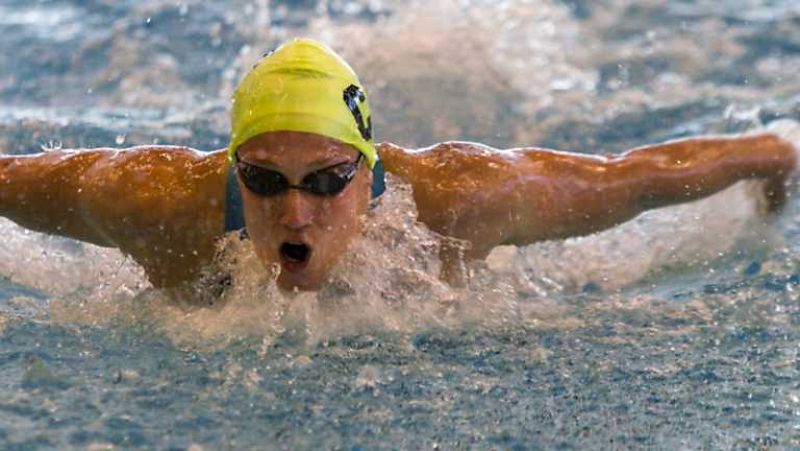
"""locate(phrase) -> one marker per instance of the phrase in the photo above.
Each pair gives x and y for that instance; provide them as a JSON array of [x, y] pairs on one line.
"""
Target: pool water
[[677, 330]]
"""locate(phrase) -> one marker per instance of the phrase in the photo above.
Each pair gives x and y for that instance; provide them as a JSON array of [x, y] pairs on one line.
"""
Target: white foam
[[63, 267], [388, 281], [693, 234]]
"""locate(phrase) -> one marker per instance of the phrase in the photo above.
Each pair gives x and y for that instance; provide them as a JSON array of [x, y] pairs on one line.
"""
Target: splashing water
[[388, 281], [675, 330]]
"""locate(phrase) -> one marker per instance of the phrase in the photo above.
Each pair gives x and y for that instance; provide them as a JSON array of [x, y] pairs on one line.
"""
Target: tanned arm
[[164, 206], [489, 197], [43, 192], [585, 195]]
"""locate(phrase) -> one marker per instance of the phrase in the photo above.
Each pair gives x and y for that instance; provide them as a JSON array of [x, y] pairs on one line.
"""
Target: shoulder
[[166, 179], [446, 151], [165, 158], [161, 165]]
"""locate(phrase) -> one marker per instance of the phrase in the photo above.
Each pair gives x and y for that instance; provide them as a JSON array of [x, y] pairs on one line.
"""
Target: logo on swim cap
[[353, 96]]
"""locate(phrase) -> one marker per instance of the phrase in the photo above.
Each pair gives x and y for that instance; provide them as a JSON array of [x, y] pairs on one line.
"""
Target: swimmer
[[302, 169]]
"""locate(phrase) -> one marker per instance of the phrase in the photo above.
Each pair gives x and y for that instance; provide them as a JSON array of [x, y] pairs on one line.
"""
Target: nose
[[297, 210]]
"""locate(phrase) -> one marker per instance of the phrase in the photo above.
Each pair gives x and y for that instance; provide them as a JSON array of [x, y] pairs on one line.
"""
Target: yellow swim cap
[[303, 86]]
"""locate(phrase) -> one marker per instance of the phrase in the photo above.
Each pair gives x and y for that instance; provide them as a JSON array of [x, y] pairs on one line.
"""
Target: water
[[678, 330]]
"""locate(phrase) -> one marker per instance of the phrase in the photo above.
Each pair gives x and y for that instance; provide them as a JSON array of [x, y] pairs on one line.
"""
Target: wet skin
[[164, 206], [520, 196]]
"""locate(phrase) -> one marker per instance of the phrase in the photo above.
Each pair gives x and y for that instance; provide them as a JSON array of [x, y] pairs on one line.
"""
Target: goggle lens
[[325, 182]]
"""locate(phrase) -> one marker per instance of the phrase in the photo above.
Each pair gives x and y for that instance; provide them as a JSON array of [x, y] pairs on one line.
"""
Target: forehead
[[279, 148]]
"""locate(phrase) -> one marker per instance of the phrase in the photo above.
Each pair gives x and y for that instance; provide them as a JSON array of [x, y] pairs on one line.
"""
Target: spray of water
[[387, 282], [509, 57]]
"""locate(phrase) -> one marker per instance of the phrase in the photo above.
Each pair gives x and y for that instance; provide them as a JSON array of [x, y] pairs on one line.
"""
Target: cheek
[[343, 212], [354, 203], [339, 222], [260, 213], [260, 221]]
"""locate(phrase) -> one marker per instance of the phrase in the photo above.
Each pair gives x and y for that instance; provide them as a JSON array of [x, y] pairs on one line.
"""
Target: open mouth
[[294, 256]]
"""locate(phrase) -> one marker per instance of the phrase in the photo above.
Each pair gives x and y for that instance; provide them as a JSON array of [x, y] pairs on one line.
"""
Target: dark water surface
[[684, 358]]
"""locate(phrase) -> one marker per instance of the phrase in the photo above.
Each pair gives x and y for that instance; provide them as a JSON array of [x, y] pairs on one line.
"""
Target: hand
[[775, 189], [775, 195]]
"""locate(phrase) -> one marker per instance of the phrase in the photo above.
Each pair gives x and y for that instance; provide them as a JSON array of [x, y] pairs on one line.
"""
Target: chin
[[290, 282]]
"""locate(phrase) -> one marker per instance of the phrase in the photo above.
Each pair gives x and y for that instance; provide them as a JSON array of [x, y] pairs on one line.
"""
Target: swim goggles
[[327, 182]]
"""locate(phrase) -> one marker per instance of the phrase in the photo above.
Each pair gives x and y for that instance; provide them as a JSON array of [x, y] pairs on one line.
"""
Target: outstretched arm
[[162, 205], [43, 192], [590, 194], [489, 197]]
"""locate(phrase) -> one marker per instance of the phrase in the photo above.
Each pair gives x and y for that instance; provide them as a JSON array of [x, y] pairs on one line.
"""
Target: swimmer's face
[[304, 233]]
